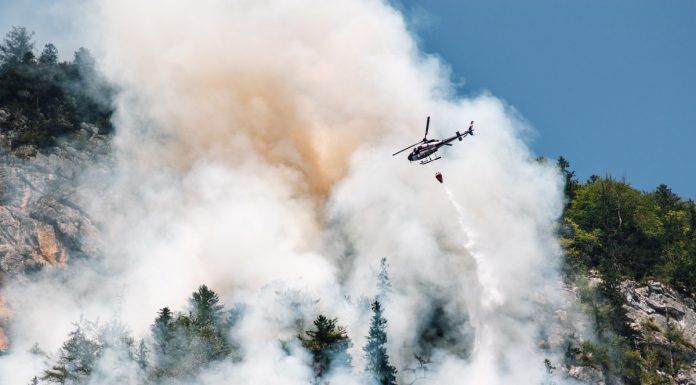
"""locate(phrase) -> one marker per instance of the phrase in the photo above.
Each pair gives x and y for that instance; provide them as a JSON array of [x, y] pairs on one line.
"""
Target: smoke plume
[[253, 147]]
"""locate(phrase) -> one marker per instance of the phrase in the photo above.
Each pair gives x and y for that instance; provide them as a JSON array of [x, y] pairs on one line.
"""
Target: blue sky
[[53, 21], [610, 85]]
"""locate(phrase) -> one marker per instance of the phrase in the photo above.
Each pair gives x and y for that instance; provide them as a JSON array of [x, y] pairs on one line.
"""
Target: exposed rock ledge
[[653, 308], [42, 199]]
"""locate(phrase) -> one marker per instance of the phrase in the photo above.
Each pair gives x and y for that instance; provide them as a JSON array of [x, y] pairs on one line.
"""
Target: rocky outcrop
[[658, 305], [666, 320], [42, 222], [43, 193], [663, 319], [586, 375]]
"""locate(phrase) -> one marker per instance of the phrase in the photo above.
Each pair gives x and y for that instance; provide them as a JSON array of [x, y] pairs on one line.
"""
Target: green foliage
[[620, 232], [632, 366], [571, 183], [594, 355], [678, 349], [620, 363], [650, 326], [661, 362], [621, 222], [163, 330], [163, 335], [186, 342], [205, 307], [650, 373], [328, 344], [609, 352], [47, 99], [77, 358], [141, 355], [623, 232], [49, 55], [376, 357], [86, 344], [181, 344], [15, 47]]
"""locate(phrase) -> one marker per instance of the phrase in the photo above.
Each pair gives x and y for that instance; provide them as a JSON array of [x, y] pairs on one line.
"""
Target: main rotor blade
[[427, 124], [400, 151]]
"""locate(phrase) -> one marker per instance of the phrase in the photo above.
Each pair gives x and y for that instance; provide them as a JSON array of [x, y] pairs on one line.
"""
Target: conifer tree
[[166, 351], [141, 355], [383, 281], [378, 367], [76, 359], [163, 331], [571, 183], [16, 45], [328, 345], [85, 62], [208, 326], [49, 55], [205, 307], [186, 342], [666, 199]]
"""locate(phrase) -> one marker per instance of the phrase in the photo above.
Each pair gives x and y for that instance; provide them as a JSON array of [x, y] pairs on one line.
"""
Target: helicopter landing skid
[[429, 160]]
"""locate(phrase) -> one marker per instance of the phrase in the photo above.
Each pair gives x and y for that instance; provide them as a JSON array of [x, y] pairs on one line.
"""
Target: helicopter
[[427, 147]]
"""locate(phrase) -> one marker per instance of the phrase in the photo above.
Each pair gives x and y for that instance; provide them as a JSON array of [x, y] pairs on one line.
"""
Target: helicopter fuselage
[[422, 152]]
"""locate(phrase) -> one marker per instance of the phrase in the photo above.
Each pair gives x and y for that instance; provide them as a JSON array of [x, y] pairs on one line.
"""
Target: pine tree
[[666, 199], [163, 331], [85, 62], [29, 58], [383, 281], [678, 349], [329, 345], [378, 367], [208, 326], [76, 361], [166, 349], [49, 55], [571, 183], [16, 45], [205, 307], [186, 342], [141, 355]]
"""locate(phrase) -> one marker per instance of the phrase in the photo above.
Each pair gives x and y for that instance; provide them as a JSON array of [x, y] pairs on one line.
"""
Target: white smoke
[[254, 143]]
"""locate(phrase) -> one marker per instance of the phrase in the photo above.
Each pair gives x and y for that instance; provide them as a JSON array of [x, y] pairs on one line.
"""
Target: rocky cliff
[[43, 222], [665, 322]]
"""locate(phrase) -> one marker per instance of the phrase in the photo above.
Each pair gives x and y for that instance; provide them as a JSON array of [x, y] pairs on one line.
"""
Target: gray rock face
[[42, 198], [587, 375], [42, 222], [659, 305], [655, 308]]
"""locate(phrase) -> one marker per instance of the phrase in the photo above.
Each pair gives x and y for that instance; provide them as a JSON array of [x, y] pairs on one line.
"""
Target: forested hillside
[[618, 243], [616, 233], [626, 233], [43, 98]]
